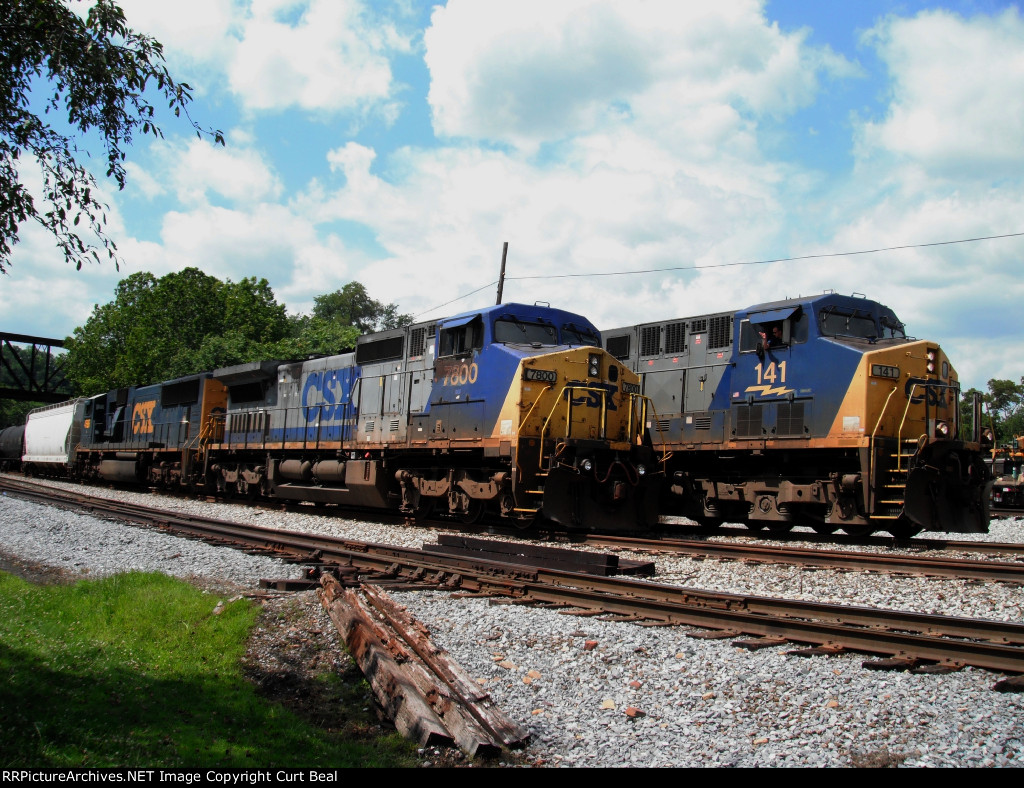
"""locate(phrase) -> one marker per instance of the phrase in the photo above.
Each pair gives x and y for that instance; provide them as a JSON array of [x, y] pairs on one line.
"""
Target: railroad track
[[882, 542], [907, 639], [964, 568]]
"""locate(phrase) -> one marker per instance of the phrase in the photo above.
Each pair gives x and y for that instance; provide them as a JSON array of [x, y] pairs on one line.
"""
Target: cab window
[[462, 339], [575, 335], [841, 323], [791, 331], [520, 333]]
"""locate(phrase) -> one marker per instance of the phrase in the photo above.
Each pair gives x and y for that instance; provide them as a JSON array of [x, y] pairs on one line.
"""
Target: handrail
[[874, 432], [665, 454], [568, 408]]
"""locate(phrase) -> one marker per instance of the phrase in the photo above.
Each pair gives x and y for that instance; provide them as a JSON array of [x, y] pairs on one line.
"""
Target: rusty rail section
[[962, 568], [990, 644], [429, 697]]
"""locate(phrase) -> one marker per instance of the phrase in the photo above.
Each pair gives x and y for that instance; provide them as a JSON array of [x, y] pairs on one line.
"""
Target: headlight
[[586, 465], [941, 429], [594, 365], [641, 470]]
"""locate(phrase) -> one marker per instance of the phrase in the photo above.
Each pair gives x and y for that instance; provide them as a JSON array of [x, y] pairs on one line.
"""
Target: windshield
[[840, 323], [892, 327], [517, 332], [574, 335]]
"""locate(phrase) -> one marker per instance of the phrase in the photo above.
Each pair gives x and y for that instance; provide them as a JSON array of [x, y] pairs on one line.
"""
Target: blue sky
[[401, 143]]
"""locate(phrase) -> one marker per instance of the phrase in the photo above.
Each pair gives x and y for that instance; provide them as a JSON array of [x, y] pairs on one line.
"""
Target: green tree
[[95, 72], [352, 306], [1005, 401], [180, 324]]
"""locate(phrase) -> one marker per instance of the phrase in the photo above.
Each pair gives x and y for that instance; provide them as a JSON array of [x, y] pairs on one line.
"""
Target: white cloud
[[193, 30], [542, 70], [315, 55], [956, 94], [198, 172]]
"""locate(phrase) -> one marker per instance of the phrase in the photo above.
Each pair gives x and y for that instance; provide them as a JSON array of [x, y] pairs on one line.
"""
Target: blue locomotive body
[[815, 410], [513, 409]]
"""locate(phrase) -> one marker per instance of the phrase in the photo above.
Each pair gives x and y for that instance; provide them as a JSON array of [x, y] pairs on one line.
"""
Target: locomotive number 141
[[770, 373]]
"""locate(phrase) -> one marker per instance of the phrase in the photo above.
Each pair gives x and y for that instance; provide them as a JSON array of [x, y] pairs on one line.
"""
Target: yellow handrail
[[874, 432]]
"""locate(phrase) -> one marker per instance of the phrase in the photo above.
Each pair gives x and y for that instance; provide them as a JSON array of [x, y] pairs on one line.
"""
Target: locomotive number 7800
[[460, 374]]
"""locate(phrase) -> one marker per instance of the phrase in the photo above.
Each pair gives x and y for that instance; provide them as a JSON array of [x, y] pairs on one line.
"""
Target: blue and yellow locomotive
[[816, 411], [513, 409]]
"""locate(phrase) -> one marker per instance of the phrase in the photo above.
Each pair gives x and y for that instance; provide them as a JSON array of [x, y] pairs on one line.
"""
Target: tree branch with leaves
[[98, 76]]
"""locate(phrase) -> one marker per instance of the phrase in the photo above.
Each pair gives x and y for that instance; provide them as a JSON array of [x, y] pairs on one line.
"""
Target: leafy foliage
[[97, 71], [352, 306], [1004, 405], [184, 322], [188, 322], [1005, 400]]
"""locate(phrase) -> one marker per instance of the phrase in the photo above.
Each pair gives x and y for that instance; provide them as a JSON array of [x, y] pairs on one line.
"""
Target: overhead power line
[[765, 262], [731, 265]]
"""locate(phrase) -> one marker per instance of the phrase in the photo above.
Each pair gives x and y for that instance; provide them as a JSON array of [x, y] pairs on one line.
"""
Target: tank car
[[12, 446], [51, 434], [816, 411]]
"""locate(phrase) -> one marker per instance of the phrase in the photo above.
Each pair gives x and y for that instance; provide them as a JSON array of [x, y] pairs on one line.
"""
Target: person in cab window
[[774, 336]]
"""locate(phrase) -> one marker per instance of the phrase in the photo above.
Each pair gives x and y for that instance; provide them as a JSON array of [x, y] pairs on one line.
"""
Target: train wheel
[[423, 510], [904, 530], [474, 511], [709, 524], [525, 522]]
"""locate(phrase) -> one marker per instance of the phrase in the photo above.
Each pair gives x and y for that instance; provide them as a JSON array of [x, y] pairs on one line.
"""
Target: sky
[[674, 146]]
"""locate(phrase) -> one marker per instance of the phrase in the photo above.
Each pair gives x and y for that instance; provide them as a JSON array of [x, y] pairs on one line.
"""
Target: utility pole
[[501, 276]]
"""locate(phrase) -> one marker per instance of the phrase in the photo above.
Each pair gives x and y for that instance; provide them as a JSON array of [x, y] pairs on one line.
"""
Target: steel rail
[[963, 568], [914, 543], [985, 643]]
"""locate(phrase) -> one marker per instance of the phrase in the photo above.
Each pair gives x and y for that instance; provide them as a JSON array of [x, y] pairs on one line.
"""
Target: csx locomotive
[[514, 409], [817, 411]]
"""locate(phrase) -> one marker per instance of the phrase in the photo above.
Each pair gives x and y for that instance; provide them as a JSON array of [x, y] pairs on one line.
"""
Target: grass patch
[[137, 670]]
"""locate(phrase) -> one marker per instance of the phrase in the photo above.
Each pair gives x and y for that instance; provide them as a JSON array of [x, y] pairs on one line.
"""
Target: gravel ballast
[[598, 693]]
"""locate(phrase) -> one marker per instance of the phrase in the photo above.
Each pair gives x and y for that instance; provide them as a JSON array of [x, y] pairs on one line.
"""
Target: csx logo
[[325, 395], [142, 417], [917, 395], [592, 399]]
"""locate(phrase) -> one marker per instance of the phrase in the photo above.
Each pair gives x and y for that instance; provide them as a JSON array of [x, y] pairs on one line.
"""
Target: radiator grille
[[650, 341], [790, 419], [749, 421], [675, 337], [718, 332]]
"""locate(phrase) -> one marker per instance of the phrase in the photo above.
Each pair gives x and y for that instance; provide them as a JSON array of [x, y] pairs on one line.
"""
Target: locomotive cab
[[816, 411]]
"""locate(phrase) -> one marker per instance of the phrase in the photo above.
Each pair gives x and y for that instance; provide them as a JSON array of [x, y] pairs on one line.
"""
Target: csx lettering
[[933, 394], [593, 399], [460, 374], [324, 396], [142, 417]]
